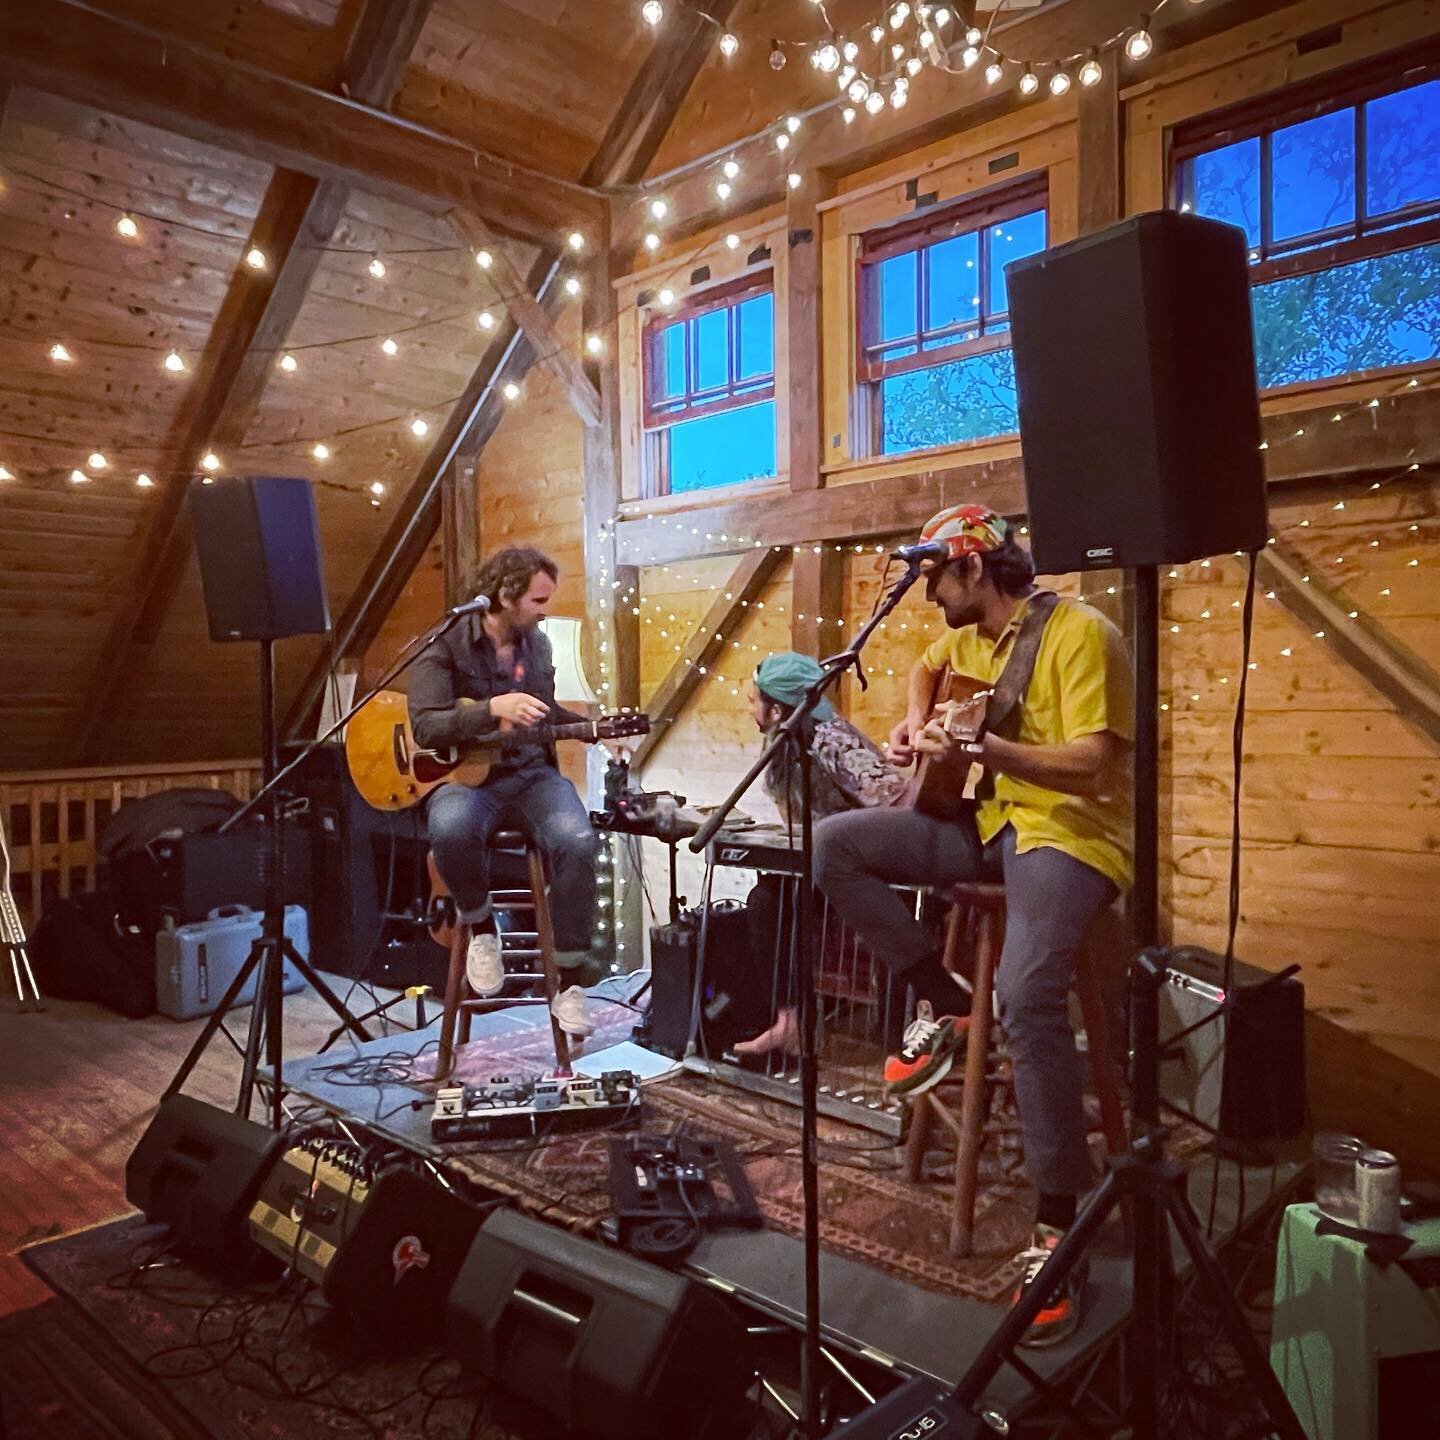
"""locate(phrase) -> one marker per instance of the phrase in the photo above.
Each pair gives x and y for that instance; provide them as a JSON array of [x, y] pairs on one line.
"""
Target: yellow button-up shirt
[[1082, 684]]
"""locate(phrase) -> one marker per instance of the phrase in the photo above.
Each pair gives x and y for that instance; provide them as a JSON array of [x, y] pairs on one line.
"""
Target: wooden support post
[[1361, 641], [745, 585], [459, 528], [802, 326], [817, 600]]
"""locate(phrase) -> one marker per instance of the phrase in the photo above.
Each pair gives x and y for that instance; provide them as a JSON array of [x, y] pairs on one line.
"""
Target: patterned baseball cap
[[966, 529]]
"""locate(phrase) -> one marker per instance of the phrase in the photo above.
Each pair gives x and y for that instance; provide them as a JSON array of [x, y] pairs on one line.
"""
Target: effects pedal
[[508, 1106]]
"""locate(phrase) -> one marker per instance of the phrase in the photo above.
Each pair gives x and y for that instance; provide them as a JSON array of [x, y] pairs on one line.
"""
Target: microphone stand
[[792, 734], [272, 948]]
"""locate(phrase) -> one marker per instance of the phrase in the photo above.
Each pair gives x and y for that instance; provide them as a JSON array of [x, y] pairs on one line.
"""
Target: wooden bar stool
[[534, 942], [984, 902]]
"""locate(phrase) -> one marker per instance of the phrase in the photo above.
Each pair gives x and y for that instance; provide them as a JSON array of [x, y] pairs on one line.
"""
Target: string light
[[5, 474], [210, 462], [848, 115], [255, 258], [60, 355], [899, 96], [377, 487], [485, 320], [572, 285], [732, 242], [722, 189], [653, 12], [594, 345], [321, 450], [659, 209], [652, 241], [144, 482], [874, 102], [914, 65], [1139, 44], [666, 297], [511, 391], [175, 363], [858, 90], [484, 259], [729, 44], [993, 72], [793, 179], [127, 227], [377, 268], [97, 460], [782, 141], [419, 428], [1090, 72], [731, 168], [389, 346], [1059, 83], [826, 59], [79, 477], [1029, 82], [970, 55], [288, 363], [850, 50]]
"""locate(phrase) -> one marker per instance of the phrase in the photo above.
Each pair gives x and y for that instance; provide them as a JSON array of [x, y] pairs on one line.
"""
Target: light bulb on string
[[994, 71], [144, 482], [288, 363], [79, 477], [723, 189], [175, 363], [576, 241], [974, 35], [848, 115], [485, 320], [792, 123], [1029, 82], [874, 102], [899, 97], [1139, 44], [127, 227], [1059, 83], [97, 460], [858, 90], [419, 427], [877, 34], [729, 44], [389, 346], [320, 450], [572, 285], [914, 65], [969, 56], [899, 15], [652, 12], [731, 169], [826, 59], [850, 50], [376, 267], [793, 179], [777, 56], [255, 258], [732, 242], [594, 345], [896, 51], [511, 391], [6, 474], [1090, 72], [659, 209], [843, 79], [484, 259], [652, 241], [942, 17], [60, 355], [782, 141], [377, 487], [210, 462], [926, 39]]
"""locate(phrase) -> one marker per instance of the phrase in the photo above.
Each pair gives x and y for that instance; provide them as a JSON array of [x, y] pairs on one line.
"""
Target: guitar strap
[[1002, 712]]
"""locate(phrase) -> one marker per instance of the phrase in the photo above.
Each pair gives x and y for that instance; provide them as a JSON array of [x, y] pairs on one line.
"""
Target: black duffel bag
[[81, 951]]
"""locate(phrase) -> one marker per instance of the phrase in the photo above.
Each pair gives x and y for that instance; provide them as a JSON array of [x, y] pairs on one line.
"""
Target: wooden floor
[[78, 1085]]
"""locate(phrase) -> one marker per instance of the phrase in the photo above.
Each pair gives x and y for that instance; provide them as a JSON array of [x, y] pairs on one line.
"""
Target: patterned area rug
[[131, 1353]]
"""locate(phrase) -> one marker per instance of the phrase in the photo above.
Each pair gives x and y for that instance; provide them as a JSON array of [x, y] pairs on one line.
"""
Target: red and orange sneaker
[[1061, 1316], [928, 1051]]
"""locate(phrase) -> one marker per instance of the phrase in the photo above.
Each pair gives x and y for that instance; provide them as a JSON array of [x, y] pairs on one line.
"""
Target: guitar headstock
[[617, 727]]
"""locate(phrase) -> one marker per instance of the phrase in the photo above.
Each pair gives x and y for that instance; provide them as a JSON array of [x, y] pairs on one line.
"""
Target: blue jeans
[[1050, 901], [542, 804]]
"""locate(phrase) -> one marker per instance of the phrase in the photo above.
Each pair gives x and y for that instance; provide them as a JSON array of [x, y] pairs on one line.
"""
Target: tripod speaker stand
[[258, 545]]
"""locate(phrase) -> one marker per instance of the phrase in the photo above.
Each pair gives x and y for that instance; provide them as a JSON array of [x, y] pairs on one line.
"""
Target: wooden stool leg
[[917, 1138], [546, 941], [972, 1102], [1102, 1057], [454, 990]]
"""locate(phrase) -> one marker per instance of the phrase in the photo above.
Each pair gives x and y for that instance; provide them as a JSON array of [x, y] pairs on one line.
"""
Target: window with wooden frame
[[1337, 187], [709, 390], [934, 362]]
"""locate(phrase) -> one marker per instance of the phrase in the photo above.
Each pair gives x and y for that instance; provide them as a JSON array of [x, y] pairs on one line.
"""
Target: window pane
[[1225, 185], [1312, 179], [968, 399], [723, 449], [1362, 316], [757, 337], [712, 345], [1402, 148], [954, 295], [899, 302], [671, 353], [1011, 240]]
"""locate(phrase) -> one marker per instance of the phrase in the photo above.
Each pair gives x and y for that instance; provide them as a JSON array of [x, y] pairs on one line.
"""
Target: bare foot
[[784, 1035]]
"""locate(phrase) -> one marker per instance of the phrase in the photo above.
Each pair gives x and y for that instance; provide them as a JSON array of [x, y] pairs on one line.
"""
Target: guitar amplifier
[[308, 1206], [1243, 1077]]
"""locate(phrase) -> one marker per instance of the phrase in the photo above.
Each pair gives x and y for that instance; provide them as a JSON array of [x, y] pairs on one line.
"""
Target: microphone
[[478, 606], [925, 550]]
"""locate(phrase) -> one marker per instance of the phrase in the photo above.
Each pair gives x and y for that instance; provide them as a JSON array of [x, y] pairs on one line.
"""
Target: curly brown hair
[[506, 575]]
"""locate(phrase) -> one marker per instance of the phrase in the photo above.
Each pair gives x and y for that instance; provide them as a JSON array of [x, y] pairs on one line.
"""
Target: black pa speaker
[[606, 1343], [259, 549], [397, 1265], [1139, 411], [198, 1170], [1244, 1076]]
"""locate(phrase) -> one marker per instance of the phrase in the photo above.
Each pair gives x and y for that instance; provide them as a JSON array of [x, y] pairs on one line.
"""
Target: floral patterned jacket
[[849, 772]]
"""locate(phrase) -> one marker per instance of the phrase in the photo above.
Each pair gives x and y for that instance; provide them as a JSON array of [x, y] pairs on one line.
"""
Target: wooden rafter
[[630, 144], [1361, 641], [745, 585], [534, 323], [297, 217], [111, 63]]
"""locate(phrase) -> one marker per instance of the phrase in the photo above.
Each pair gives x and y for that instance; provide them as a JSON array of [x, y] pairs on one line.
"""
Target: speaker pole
[[1145, 893]]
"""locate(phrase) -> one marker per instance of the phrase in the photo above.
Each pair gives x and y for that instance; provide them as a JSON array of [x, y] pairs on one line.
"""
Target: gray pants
[[1051, 899]]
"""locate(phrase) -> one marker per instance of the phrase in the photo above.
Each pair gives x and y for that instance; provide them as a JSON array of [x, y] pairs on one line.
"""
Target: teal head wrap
[[787, 676]]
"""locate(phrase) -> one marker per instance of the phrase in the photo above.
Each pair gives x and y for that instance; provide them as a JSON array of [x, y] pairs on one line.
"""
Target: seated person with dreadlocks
[[502, 661], [848, 772]]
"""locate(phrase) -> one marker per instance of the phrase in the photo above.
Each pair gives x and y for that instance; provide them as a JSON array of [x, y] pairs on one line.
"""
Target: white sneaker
[[572, 1013], [484, 968]]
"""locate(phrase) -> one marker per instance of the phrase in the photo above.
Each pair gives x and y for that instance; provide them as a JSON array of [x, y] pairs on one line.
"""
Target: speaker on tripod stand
[[258, 543]]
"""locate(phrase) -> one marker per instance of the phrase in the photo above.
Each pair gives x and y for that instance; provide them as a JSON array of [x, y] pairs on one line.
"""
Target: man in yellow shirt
[[1054, 820]]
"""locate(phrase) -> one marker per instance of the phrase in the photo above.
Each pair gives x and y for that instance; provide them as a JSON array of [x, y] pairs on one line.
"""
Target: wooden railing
[[53, 818]]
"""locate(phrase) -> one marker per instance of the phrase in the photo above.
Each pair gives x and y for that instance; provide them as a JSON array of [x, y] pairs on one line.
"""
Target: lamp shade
[[564, 636]]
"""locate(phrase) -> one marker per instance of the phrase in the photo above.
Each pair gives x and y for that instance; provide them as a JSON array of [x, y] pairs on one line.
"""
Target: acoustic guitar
[[943, 786], [392, 772]]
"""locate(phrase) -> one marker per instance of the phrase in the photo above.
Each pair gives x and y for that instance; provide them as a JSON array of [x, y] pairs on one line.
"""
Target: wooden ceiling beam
[[532, 319], [297, 218], [111, 63], [630, 143]]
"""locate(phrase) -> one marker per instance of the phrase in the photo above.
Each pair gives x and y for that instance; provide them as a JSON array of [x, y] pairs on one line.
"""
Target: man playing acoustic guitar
[[502, 660], [1053, 818]]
